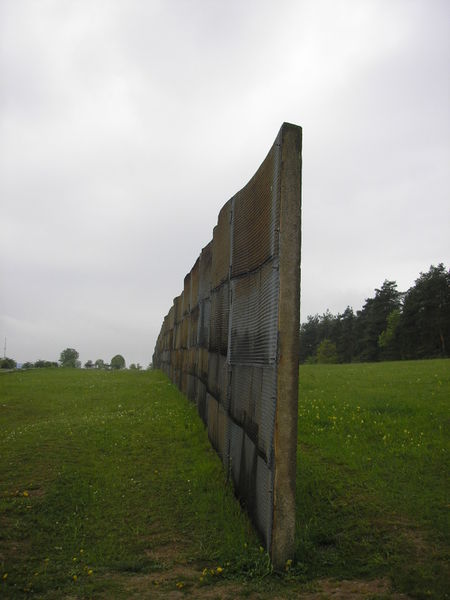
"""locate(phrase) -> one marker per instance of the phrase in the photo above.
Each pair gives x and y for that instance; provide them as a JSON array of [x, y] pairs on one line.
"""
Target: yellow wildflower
[[90, 572], [26, 494], [5, 575], [219, 570], [205, 572], [180, 585], [74, 577]]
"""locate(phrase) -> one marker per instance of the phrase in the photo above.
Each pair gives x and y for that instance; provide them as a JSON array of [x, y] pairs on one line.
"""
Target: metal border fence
[[230, 340]]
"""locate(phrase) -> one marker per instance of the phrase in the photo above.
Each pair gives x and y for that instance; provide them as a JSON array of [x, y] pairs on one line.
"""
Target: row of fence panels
[[230, 340]]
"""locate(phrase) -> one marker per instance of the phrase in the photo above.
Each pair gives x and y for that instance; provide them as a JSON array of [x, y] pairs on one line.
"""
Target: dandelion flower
[[180, 585], [74, 577], [219, 570], [26, 494], [90, 572]]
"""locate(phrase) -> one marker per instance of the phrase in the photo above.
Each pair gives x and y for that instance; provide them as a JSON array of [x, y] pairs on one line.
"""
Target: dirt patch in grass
[[352, 590], [183, 582]]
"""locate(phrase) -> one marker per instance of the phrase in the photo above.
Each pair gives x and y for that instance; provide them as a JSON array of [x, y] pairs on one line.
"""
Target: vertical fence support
[[285, 435]]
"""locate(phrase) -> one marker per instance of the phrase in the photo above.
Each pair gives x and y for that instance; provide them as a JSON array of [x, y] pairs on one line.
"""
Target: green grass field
[[109, 489]]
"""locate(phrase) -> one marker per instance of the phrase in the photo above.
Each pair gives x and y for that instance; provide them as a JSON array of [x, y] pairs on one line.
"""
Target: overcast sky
[[125, 125]]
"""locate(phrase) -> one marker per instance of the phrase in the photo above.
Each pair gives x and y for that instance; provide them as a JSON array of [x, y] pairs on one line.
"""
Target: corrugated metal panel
[[253, 403], [178, 308], [254, 324], [187, 294], [171, 317], [264, 500], [193, 329], [201, 400], [204, 323], [223, 435], [204, 283], [220, 309], [213, 407], [195, 273], [202, 367]]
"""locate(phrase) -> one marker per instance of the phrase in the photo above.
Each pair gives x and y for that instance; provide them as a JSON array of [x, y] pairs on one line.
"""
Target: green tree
[[372, 320], [309, 338], [118, 362], [27, 365], [345, 335], [88, 364], [7, 363], [326, 352], [388, 339], [69, 358], [425, 322], [99, 363]]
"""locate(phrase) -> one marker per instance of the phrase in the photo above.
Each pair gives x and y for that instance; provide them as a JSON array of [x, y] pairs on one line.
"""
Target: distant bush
[[44, 364]]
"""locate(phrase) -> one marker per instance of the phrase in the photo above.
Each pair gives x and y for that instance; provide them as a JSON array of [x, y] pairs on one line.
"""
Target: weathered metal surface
[[220, 266], [230, 340]]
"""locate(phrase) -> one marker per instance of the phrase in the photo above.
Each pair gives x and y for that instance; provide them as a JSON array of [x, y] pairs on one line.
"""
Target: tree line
[[69, 358], [392, 325]]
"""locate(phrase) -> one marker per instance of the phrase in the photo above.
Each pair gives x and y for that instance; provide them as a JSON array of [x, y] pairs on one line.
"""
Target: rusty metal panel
[[178, 308], [221, 247], [171, 317], [187, 294], [185, 330], [195, 273], [191, 387], [204, 282], [256, 217], [193, 329]]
